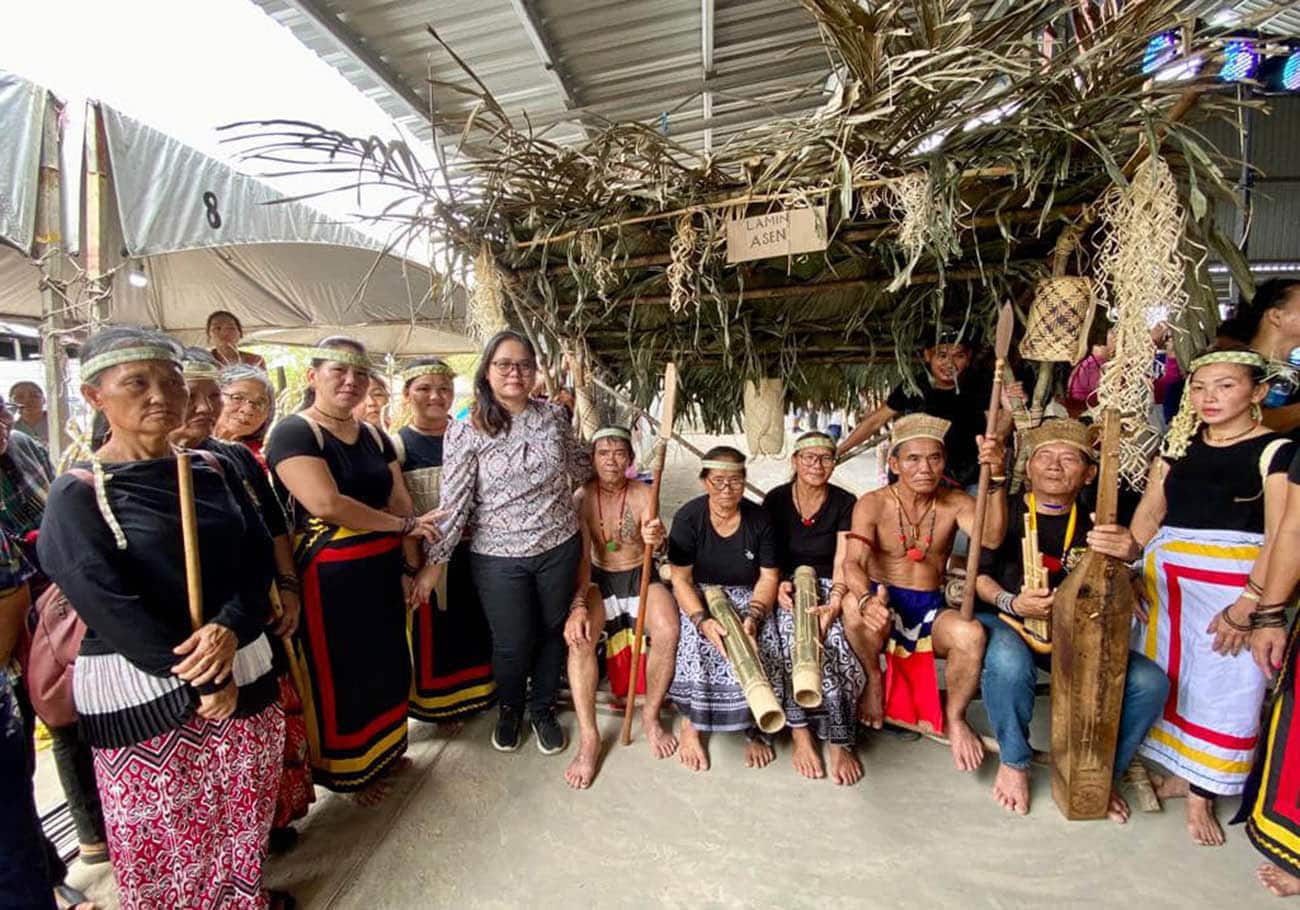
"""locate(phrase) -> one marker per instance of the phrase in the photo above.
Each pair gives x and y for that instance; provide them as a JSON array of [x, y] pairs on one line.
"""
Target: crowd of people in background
[[368, 559]]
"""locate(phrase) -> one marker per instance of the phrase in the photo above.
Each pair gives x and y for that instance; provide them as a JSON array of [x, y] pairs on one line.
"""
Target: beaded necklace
[[611, 544], [910, 544]]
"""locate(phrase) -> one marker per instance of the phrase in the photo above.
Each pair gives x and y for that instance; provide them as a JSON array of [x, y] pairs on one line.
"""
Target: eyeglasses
[[238, 401], [506, 367], [727, 483], [810, 460]]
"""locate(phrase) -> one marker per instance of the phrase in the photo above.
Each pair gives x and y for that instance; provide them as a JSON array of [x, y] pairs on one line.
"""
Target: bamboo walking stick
[[648, 556], [1001, 345], [190, 538]]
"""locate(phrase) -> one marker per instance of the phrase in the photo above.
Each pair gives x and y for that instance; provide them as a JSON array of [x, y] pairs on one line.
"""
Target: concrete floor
[[468, 827]]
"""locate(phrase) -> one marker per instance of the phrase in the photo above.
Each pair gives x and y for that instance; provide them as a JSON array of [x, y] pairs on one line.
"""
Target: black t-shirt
[[250, 471], [1219, 487], [1005, 564], [422, 449], [813, 545], [360, 470], [716, 560], [964, 406]]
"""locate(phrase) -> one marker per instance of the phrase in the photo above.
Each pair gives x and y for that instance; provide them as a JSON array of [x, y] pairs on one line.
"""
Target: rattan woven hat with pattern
[[1061, 430], [917, 426]]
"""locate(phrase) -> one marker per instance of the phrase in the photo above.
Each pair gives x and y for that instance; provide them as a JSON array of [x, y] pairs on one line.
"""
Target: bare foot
[[692, 753], [758, 754], [373, 794], [871, 707], [1169, 786], [807, 759], [582, 769], [1011, 789], [846, 770], [662, 742], [967, 750], [1118, 810], [1282, 884], [1201, 822]]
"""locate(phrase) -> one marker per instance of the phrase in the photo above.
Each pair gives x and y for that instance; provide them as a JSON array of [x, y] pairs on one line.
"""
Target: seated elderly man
[[1060, 465]]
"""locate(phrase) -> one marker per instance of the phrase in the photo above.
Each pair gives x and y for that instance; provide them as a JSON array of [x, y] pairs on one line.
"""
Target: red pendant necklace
[[611, 544], [808, 521], [911, 547]]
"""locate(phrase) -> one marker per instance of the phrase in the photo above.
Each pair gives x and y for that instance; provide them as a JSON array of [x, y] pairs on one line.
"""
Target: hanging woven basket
[[1059, 320], [765, 417]]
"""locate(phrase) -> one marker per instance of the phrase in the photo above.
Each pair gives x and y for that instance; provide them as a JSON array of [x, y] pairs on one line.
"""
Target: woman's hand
[[426, 525], [749, 625], [1268, 647], [1227, 640], [785, 595], [1114, 540], [652, 533], [422, 588], [220, 704], [290, 611], [712, 630], [209, 655]]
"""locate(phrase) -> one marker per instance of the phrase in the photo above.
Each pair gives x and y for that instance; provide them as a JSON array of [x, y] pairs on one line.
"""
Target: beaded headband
[[714, 464], [341, 355], [197, 369], [611, 433], [819, 441], [101, 362], [425, 369], [1186, 422]]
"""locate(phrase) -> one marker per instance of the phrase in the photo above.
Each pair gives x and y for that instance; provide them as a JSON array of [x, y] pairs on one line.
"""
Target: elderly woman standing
[[509, 478], [201, 415], [811, 518], [248, 407], [721, 539], [450, 640], [1205, 530], [352, 519], [185, 732]]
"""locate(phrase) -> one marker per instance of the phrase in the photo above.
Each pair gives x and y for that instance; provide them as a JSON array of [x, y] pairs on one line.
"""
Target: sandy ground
[[469, 827]]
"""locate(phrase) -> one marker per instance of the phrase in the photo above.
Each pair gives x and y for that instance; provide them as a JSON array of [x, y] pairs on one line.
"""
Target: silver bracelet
[[1004, 602]]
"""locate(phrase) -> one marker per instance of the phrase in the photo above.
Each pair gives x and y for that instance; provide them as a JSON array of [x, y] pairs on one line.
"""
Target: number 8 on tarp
[[210, 203]]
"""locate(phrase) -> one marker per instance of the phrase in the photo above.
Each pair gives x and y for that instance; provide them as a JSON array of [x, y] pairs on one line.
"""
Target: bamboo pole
[[806, 661], [190, 538], [648, 555], [49, 249]]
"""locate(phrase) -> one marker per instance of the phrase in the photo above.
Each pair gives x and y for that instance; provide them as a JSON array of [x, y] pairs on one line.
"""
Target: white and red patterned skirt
[[188, 812]]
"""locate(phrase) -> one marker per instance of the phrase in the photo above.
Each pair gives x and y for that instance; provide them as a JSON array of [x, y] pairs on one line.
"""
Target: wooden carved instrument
[[648, 555], [1001, 346], [1090, 625], [1037, 633], [744, 663], [190, 538], [806, 667]]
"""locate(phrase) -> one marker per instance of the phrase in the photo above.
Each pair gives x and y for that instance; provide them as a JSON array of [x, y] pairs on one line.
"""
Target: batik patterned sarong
[[187, 813], [1210, 726]]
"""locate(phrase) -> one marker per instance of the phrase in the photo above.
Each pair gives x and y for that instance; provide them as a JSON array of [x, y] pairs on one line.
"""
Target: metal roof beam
[[537, 37], [706, 55], [351, 44]]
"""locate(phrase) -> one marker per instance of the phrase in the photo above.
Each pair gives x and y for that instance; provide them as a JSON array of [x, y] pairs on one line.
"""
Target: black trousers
[[29, 865], [76, 767], [527, 601]]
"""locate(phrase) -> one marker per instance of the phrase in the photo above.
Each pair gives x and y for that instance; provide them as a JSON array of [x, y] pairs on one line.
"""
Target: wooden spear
[[190, 538], [1001, 345], [647, 557]]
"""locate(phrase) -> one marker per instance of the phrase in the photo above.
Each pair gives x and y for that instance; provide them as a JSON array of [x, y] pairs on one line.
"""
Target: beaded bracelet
[[409, 570], [839, 589], [408, 525], [1005, 601], [1269, 619], [756, 610], [698, 618], [288, 583], [1232, 623]]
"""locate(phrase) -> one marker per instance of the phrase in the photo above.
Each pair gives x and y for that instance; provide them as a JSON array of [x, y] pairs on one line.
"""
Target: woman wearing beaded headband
[[247, 407], [352, 519], [721, 539], [202, 414], [156, 699], [811, 518], [1205, 531], [450, 639]]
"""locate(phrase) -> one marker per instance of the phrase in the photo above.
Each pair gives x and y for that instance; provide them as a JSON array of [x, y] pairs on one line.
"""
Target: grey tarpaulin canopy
[[205, 238]]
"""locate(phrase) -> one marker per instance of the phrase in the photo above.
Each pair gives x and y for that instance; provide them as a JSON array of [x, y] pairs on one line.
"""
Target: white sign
[[784, 233]]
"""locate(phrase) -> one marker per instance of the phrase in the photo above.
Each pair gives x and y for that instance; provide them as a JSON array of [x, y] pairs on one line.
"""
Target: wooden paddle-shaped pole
[[648, 556], [1001, 345], [190, 538]]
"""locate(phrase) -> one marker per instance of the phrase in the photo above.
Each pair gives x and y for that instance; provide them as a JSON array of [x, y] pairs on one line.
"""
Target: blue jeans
[[1007, 688]]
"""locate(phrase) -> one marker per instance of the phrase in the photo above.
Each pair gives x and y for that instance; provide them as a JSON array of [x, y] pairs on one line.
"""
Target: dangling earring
[[1256, 412]]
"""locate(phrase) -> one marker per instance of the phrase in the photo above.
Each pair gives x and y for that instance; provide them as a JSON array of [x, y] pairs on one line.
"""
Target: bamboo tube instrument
[[648, 556], [190, 538], [1037, 633], [806, 668], [744, 663]]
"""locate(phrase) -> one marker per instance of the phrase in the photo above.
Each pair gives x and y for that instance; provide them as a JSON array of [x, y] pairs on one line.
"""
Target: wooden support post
[[49, 248]]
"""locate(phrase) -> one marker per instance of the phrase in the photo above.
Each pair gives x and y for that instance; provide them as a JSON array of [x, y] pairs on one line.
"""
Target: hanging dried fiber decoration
[[765, 417], [683, 266], [1142, 265], [485, 314]]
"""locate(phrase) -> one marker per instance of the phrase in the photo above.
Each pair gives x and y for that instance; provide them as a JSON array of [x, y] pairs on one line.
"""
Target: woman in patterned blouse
[[508, 479]]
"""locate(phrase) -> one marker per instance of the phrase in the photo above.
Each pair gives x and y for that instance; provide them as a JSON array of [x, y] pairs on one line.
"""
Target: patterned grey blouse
[[511, 494]]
